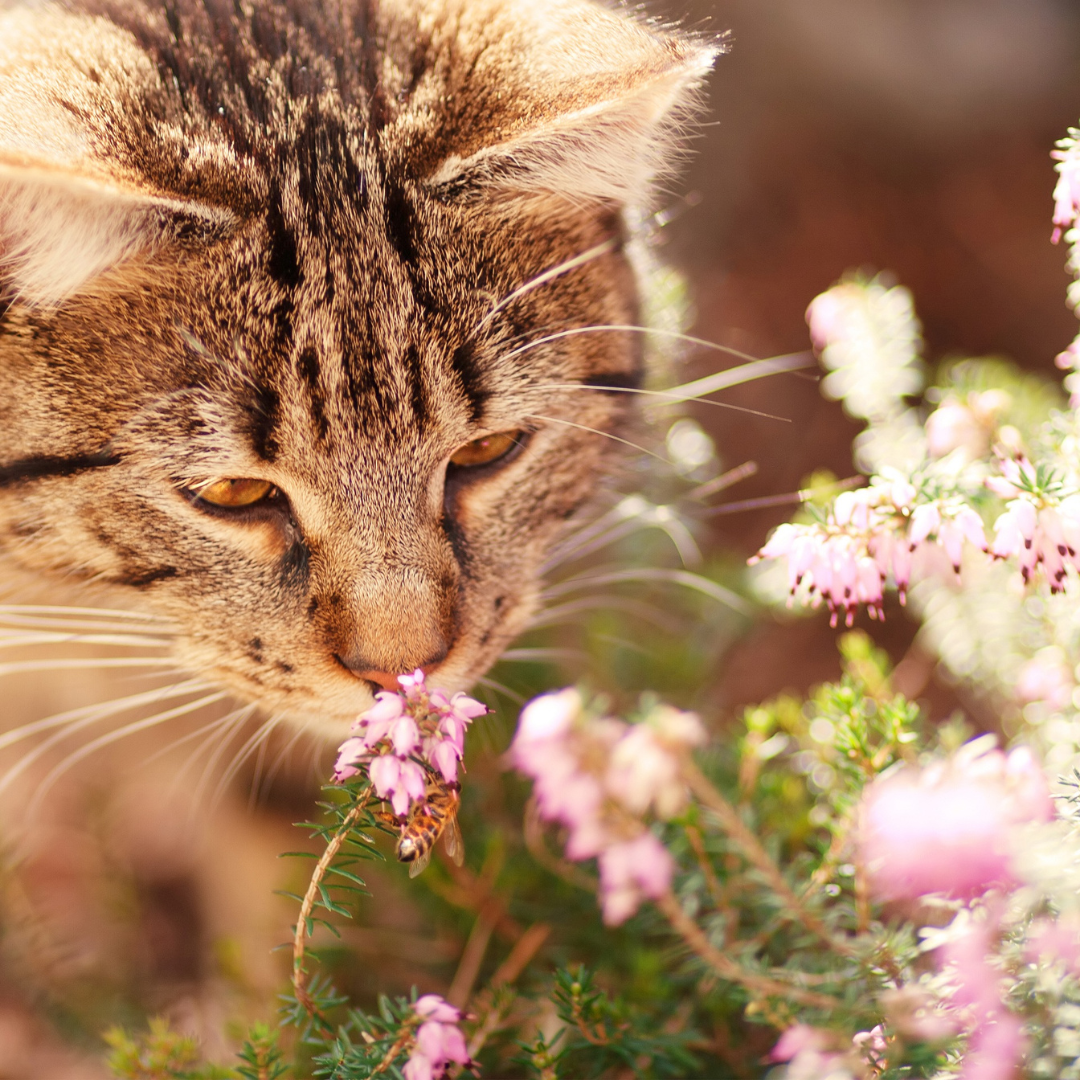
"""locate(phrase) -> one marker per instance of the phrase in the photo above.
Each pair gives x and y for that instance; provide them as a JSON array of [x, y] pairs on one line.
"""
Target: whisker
[[668, 398], [639, 609], [498, 687], [642, 574], [53, 610], [754, 368], [242, 716], [22, 666], [261, 734], [205, 732], [10, 640], [596, 431], [76, 719], [102, 741], [283, 753], [529, 656], [787, 499], [548, 275], [724, 480]]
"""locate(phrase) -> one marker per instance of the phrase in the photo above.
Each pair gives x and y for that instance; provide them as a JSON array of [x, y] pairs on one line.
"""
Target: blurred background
[[911, 136]]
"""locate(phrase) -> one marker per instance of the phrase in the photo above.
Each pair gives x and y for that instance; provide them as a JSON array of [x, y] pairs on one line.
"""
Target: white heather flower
[[967, 426], [643, 774], [1048, 535]]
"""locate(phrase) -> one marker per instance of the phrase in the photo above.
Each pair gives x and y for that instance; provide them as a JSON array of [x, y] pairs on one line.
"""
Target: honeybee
[[436, 816]]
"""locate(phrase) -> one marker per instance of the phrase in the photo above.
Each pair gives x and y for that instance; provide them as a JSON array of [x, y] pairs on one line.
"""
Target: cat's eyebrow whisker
[[108, 739], [585, 257], [597, 431], [668, 398], [643, 574]]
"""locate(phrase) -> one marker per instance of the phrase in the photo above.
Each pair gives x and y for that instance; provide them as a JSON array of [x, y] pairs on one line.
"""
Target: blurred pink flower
[[439, 1040], [947, 829], [643, 773], [872, 1046], [797, 1038], [1046, 678], [1067, 189], [1054, 940], [630, 871]]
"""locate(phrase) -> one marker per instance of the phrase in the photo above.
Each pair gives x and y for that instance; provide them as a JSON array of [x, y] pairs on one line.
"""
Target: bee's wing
[[418, 865], [455, 846]]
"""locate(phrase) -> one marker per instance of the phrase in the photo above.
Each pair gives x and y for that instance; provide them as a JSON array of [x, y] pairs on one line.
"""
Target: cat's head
[[295, 338]]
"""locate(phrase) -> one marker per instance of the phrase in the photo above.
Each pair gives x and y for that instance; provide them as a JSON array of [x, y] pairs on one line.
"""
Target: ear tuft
[[59, 231], [592, 109]]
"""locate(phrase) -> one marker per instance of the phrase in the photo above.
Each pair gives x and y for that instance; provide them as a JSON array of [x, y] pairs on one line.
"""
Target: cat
[[296, 302]]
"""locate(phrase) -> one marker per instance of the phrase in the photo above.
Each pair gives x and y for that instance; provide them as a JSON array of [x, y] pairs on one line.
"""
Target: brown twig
[[726, 968], [753, 851], [300, 935]]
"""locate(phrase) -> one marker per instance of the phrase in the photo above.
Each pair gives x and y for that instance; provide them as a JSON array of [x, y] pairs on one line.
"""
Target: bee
[[436, 816]]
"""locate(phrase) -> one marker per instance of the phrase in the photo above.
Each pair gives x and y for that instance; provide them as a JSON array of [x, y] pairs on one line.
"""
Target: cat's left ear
[[61, 229], [590, 106]]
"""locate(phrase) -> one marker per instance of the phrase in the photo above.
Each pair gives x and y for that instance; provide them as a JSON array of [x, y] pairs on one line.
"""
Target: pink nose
[[381, 678]]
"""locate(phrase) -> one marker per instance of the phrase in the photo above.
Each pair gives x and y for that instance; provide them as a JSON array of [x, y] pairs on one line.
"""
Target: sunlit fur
[[311, 243]]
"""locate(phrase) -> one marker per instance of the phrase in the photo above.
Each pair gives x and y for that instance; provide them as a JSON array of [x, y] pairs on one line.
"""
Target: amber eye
[[486, 450], [235, 493]]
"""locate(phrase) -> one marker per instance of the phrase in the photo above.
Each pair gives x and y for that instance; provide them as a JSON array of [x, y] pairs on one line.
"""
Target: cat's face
[[262, 363]]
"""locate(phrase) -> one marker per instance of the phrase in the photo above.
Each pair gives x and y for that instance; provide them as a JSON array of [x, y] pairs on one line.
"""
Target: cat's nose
[[362, 668]]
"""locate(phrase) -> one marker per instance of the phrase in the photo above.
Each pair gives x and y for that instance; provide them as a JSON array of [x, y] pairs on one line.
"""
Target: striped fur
[[270, 240]]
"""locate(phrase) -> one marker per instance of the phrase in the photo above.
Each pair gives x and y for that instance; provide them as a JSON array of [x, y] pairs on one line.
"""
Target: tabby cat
[[295, 310]]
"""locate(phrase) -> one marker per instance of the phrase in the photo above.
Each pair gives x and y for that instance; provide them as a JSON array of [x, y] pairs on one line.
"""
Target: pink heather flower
[[965, 425], [796, 1039], [1055, 940], [404, 736], [548, 717], [1067, 188], [643, 773], [872, 1046], [1069, 357], [947, 829], [444, 755], [402, 782], [869, 534], [1049, 536], [1046, 678], [434, 1007], [349, 754], [913, 1014], [439, 1040], [631, 870]]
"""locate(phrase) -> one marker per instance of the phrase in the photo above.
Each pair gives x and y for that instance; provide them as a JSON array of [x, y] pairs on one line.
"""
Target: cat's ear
[[59, 230], [591, 109]]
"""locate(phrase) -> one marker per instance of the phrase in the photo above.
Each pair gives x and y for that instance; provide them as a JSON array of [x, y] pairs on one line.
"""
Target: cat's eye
[[487, 449], [235, 494]]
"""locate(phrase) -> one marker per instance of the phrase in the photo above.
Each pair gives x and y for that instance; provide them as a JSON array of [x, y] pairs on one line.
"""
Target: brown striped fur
[[265, 239]]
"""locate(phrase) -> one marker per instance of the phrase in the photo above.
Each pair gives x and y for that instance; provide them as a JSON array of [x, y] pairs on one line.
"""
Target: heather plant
[[835, 887]]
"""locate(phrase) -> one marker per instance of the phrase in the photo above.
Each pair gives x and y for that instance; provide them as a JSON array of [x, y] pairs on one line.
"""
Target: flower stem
[[300, 935], [756, 855], [726, 968]]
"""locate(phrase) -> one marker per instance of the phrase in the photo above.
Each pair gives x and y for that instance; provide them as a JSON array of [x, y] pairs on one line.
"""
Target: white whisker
[[10, 640], [529, 656], [572, 609], [254, 741], [93, 663], [279, 760], [596, 431], [116, 735], [548, 275], [205, 733], [669, 399], [241, 718], [643, 574], [76, 719], [52, 610], [498, 687]]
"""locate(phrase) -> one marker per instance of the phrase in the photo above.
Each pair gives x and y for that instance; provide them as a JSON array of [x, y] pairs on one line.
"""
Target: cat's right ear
[[574, 102], [61, 230]]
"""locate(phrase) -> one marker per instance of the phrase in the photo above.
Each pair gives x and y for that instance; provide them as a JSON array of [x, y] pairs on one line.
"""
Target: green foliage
[[161, 1054], [601, 1035]]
